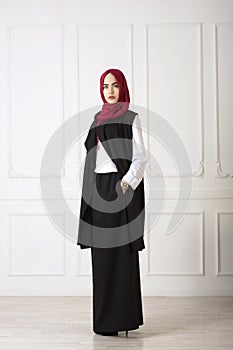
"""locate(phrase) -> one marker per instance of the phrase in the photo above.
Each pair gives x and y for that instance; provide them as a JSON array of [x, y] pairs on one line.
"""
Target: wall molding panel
[[196, 268], [162, 36], [27, 248], [223, 36], [224, 239], [27, 45]]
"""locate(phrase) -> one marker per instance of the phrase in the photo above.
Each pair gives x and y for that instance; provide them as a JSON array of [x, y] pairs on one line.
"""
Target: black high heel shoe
[[107, 333], [126, 333]]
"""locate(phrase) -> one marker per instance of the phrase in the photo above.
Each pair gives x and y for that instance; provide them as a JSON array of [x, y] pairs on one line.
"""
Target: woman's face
[[111, 88]]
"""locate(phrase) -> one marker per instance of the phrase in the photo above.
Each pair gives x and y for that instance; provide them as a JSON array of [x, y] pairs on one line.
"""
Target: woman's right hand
[[124, 186]]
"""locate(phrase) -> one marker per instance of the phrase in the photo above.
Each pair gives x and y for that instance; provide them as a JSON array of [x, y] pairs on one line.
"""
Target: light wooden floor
[[44, 323]]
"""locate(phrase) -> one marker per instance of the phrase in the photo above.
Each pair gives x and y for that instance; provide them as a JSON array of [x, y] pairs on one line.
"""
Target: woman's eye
[[115, 85]]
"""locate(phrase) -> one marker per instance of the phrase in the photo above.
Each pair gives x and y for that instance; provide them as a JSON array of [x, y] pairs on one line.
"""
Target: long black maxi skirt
[[117, 302]]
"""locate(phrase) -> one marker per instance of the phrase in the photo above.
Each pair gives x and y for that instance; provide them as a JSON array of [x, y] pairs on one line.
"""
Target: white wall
[[177, 57]]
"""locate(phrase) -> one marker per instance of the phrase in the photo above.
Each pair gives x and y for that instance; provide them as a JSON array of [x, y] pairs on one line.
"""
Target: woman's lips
[[111, 97]]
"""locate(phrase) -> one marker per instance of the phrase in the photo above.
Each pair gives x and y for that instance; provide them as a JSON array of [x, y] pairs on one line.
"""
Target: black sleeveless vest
[[122, 129], [117, 128]]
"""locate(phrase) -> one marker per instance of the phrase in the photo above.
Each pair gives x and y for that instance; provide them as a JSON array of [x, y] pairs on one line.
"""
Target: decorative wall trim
[[12, 173], [218, 244], [75, 194], [10, 274], [219, 172], [200, 168], [202, 262]]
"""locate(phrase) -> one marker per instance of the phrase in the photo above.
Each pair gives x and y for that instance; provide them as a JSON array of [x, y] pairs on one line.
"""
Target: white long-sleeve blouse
[[135, 173]]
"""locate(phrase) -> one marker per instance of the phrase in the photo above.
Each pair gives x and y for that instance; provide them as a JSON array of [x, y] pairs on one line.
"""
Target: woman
[[114, 166]]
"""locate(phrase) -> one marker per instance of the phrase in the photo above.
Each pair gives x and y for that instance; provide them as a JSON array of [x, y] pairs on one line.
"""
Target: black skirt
[[117, 302]]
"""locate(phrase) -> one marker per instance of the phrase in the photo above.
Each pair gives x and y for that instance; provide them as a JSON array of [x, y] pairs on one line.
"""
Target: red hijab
[[113, 110]]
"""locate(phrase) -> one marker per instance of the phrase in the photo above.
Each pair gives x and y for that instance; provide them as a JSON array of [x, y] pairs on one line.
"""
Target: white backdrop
[[177, 57]]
